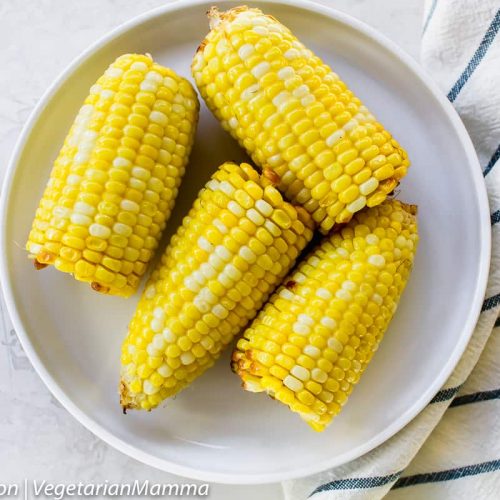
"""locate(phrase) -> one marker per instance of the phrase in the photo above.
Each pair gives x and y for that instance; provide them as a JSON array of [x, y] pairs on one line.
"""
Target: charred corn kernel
[[113, 186], [213, 278], [329, 333], [295, 117]]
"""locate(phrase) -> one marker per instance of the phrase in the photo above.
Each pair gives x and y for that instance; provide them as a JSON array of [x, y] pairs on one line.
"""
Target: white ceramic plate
[[214, 430]]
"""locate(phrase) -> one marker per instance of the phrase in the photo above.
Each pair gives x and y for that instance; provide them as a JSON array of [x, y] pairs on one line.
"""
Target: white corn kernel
[[80, 220], [286, 73], [159, 118], [250, 92], [293, 383], [357, 204], [220, 226], [74, 179], [156, 325], [333, 138], [150, 292], [165, 370], [235, 209], [376, 260], [159, 342], [222, 252], [187, 358], [84, 208], [191, 284], [343, 295], [205, 245], [208, 296], [312, 351], [349, 285], [220, 311], [286, 294], [291, 54], [282, 98], [300, 372], [169, 335], [130, 206], [121, 162], [301, 329], [373, 239], [368, 187], [99, 231], [245, 51], [201, 305], [122, 229], [323, 293], [247, 254], [159, 313], [300, 278], [319, 375], [207, 270], [139, 66], [255, 217], [304, 318], [335, 345], [227, 188], [233, 272], [260, 69], [264, 208], [149, 388]]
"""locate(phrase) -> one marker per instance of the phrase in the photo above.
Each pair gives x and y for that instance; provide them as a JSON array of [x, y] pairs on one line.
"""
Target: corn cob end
[[126, 402], [214, 17], [39, 265]]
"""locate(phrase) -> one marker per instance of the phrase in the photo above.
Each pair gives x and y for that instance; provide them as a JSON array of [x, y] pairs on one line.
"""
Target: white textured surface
[[38, 438]]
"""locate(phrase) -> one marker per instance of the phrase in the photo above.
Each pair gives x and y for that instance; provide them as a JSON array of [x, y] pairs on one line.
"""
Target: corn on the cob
[[293, 114], [314, 338], [114, 183], [234, 247]]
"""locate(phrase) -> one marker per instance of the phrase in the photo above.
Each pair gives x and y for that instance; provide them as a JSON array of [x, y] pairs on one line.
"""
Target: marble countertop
[[38, 438]]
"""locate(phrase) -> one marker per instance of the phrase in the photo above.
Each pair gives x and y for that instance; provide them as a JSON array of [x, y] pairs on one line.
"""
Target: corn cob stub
[[293, 114], [316, 335], [234, 247], [114, 183]]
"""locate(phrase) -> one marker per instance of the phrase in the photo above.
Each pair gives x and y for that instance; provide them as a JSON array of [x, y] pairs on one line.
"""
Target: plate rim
[[228, 477]]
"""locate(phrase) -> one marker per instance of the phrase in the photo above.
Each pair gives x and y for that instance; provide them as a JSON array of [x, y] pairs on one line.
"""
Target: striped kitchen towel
[[451, 450]]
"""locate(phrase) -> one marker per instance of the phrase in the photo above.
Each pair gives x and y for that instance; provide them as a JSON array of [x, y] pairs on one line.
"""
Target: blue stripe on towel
[[444, 395], [476, 397], [495, 217], [404, 482], [477, 57], [429, 16], [356, 483], [448, 475], [492, 162], [491, 302]]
